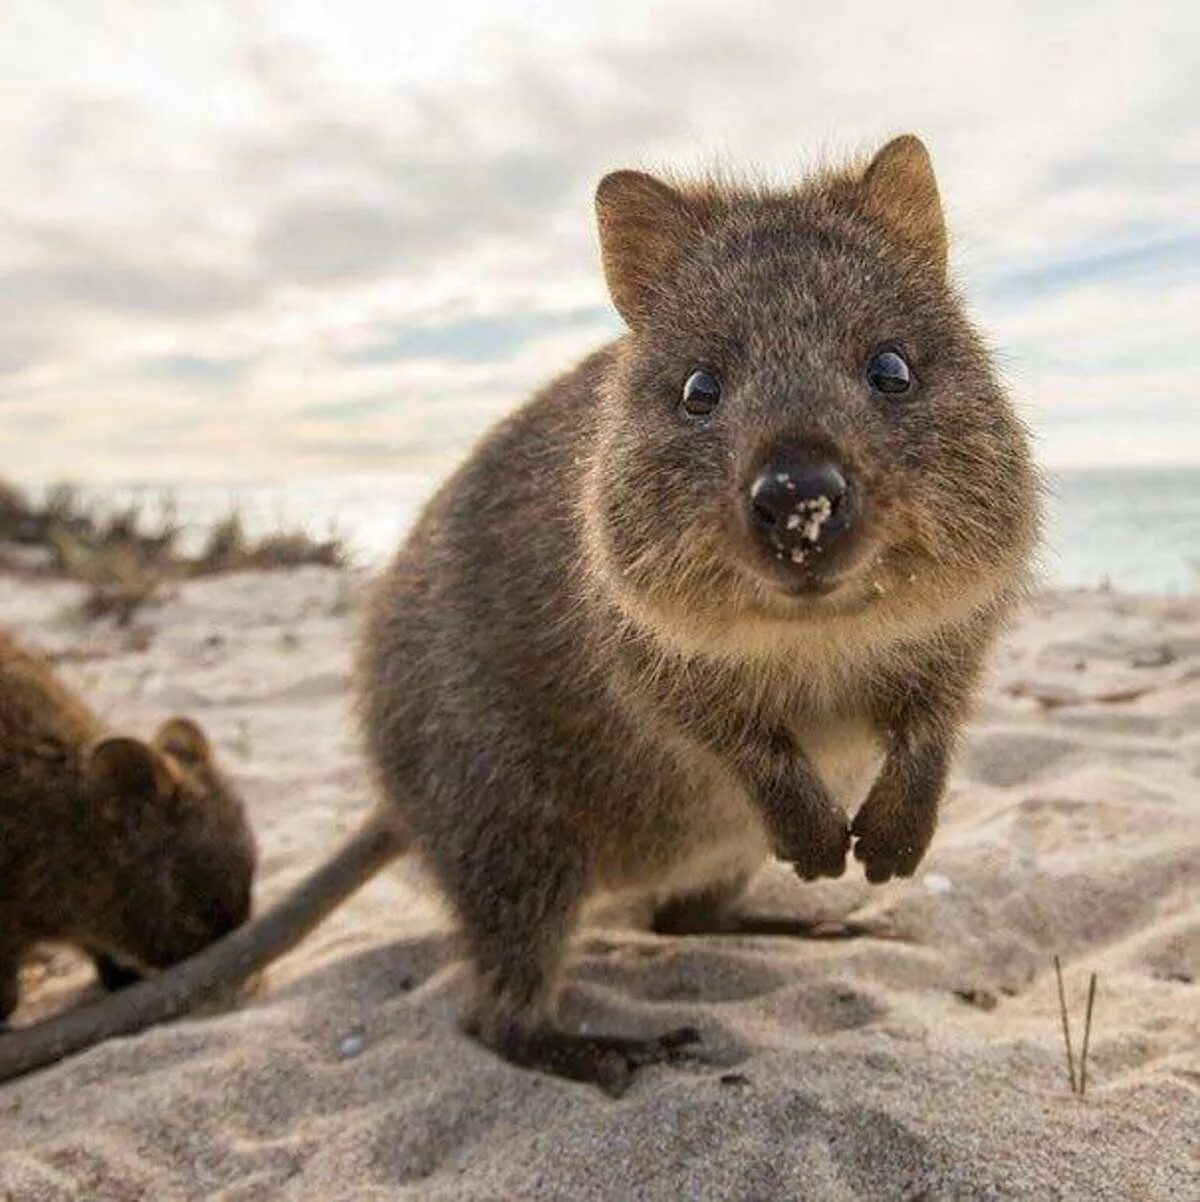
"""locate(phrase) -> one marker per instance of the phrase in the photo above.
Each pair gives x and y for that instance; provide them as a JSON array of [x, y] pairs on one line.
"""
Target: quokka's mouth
[[820, 579], [807, 584]]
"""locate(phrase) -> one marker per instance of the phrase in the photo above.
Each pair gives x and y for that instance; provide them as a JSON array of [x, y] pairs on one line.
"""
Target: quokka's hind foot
[[9, 990], [716, 911], [708, 911], [803, 928], [114, 976], [609, 1062]]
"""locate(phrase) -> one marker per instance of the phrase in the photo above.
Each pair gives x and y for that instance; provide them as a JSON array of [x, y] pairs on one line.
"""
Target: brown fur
[[137, 853], [582, 677]]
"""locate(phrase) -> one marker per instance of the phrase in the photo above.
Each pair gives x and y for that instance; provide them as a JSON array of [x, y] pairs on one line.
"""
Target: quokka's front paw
[[821, 847], [891, 837]]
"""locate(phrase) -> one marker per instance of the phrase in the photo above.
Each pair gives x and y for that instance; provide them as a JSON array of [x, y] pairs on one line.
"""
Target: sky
[[275, 239]]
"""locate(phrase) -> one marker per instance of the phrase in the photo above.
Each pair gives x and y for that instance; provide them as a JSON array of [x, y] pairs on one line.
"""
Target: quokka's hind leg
[[717, 909], [114, 976], [712, 910], [10, 983], [518, 916]]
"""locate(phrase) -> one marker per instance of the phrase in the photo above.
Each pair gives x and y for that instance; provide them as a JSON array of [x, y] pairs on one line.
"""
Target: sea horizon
[[1133, 529]]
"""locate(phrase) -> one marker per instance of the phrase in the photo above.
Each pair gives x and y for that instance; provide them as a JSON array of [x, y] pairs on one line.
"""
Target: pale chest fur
[[846, 751], [721, 836]]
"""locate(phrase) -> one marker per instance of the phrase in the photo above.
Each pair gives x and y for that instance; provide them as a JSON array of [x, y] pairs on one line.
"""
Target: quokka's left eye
[[887, 372], [701, 394]]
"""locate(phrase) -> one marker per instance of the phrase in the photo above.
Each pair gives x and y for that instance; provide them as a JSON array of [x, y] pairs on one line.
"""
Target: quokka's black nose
[[800, 507]]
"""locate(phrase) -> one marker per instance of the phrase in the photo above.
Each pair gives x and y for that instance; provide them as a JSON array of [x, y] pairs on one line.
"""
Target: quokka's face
[[190, 851], [801, 416]]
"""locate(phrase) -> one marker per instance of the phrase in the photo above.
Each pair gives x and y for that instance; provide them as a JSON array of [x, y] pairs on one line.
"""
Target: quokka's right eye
[[889, 373], [701, 394]]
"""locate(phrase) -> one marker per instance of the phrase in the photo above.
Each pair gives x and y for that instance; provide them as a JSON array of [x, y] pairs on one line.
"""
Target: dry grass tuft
[[129, 559], [228, 549]]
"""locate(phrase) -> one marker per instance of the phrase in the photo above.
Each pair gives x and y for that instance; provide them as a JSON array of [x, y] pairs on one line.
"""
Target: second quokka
[[138, 853], [721, 592]]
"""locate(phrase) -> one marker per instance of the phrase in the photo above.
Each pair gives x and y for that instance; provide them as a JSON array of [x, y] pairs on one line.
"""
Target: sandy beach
[[928, 1064]]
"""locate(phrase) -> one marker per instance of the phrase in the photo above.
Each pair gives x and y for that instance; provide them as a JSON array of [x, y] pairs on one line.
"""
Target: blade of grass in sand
[[1066, 1024], [1087, 1035]]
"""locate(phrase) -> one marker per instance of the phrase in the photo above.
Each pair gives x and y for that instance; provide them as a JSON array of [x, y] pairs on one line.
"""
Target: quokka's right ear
[[183, 738], [644, 227]]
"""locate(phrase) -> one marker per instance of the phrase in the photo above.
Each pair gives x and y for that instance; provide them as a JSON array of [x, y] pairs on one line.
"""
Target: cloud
[[208, 373], [476, 339], [327, 243], [113, 286], [349, 410], [1174, 257], [326, 235]]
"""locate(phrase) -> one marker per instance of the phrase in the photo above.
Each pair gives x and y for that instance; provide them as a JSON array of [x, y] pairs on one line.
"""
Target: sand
[[929, 1065]]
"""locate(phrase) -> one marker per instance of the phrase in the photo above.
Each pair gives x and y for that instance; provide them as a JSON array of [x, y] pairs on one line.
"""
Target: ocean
[[1134, 530]]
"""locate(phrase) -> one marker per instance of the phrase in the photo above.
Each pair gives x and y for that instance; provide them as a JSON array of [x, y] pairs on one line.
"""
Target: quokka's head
[[184, 874], [801, 420]]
